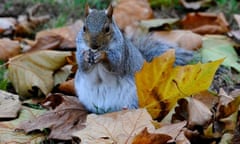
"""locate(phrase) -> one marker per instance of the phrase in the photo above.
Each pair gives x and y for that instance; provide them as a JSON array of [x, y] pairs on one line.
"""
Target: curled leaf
[[206, 23], [67, 117], [35, 70], [183, 38], [8, 49]]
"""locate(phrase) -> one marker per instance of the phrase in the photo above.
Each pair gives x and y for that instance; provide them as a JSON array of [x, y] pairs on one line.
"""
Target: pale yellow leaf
[[119, 127], [35, 70]]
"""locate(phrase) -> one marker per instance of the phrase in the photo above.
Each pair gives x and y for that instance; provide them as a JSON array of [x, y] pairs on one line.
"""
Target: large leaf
[[216, 47], [120, 127], [159, 85], [206, 23], [67, 116], [35, 70], [9, 134]]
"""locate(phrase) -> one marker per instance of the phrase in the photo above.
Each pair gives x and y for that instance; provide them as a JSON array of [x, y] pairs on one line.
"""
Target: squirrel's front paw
[[94, 57]]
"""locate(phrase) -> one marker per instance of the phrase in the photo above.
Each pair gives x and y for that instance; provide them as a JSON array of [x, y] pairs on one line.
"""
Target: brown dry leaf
[[206, 23], [59, 38], [207, 98], [27, 23], [119, 127], [46, 41], [184, 39], [9, 105], [195, 5], [68, 117], [68, 33], [8, 48], [199, 113], [127, 13], [68, 87], [9, 134], [35, 69], [229, 107], [180, 111], [151, 138]]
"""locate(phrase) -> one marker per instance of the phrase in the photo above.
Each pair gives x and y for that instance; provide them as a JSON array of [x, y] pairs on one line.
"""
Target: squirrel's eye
[[107, 29], [84, 28]]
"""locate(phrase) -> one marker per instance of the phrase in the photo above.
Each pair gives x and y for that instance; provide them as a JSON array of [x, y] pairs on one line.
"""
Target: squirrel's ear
[[109, 11], [87, 10]]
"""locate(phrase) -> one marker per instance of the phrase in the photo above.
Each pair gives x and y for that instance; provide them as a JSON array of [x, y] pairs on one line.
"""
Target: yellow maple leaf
[[160, 85]]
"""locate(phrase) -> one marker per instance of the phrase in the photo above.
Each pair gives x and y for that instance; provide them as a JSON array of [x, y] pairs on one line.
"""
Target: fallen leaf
[[68, 117], [150, 138], [67, 87], [199, 114], [181, 111], [195, 5], [9, 133], [226, 138], [62, 74], [119, 127], [206, 23], [183, 38], [229, 109], [195, 137], [9, 105], [217, 47], [209, 99], [58, 38], [27, 23], [35, 70], [135, 10], [46, 41], [172, 129], [68, 33], [234, 35], [237, 19], [157, 23], [159, 85], [8, 49]]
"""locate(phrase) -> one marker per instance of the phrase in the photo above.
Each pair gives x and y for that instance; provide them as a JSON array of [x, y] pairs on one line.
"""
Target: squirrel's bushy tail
[[150, 48]]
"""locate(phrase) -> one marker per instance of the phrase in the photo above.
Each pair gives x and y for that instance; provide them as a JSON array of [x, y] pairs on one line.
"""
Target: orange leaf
[[135, 10], [150, 138], [206, 23], [8, 49]]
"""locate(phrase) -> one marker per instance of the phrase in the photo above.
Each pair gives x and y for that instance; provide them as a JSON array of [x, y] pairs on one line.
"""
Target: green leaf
[[217, 47]]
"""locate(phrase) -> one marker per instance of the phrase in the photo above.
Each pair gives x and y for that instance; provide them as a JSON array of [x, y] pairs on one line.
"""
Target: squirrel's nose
[[94, 46]]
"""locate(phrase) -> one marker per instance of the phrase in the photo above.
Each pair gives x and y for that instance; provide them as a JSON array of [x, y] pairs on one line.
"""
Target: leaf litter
[[192, 119]]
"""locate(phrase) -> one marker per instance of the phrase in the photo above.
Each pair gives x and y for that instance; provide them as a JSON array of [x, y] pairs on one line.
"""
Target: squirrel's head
[[98, 27]]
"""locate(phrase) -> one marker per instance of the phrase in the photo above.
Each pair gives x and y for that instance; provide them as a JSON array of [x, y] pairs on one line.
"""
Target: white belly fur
[[101, 91]]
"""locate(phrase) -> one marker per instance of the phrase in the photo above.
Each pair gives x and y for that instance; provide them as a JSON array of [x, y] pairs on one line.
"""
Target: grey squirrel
[[107, 62]]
